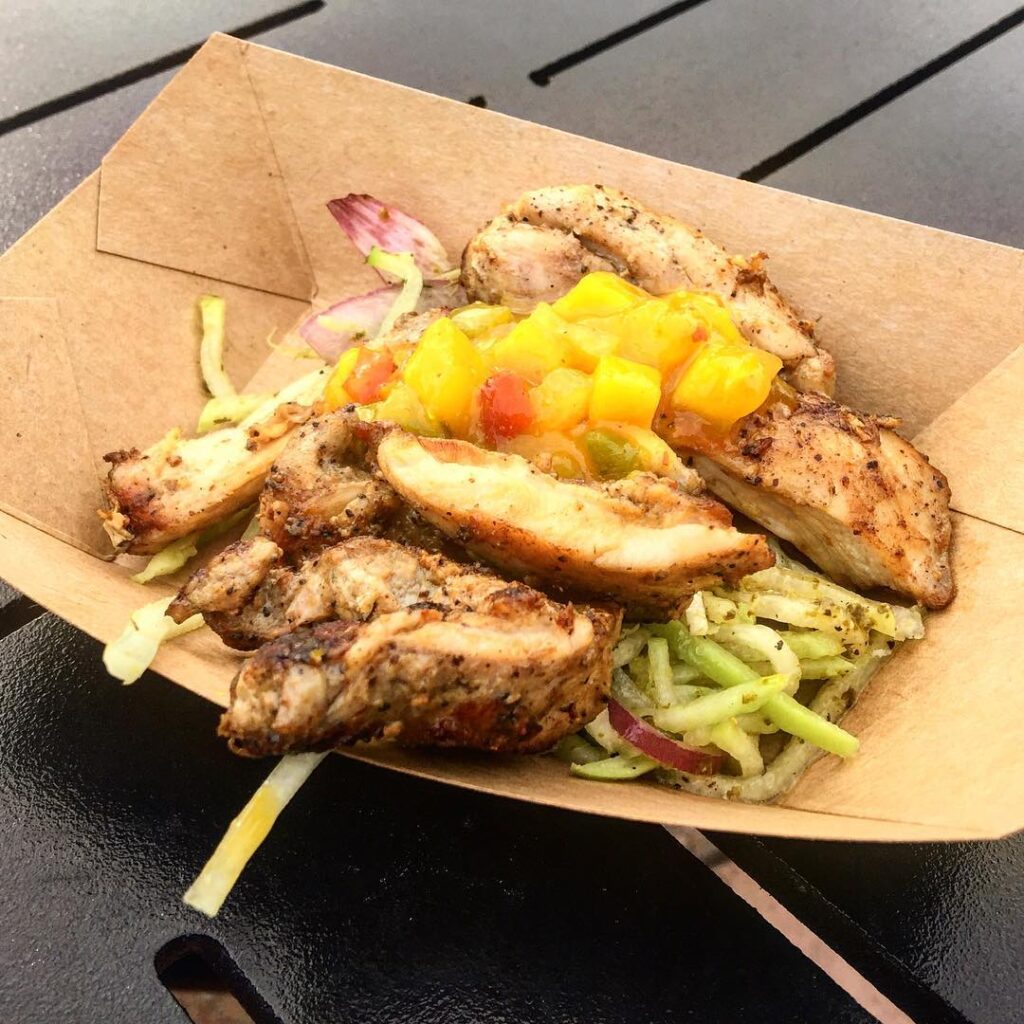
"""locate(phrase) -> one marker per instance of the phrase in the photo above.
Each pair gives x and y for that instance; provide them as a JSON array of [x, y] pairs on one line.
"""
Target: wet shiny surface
[[953, 914]]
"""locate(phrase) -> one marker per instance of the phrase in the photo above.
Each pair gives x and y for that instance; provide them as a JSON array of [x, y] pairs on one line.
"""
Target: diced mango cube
[[335, 395], [561, 400], [533, 348], [624, 391], [445, 371], [658, 335], [726, 382], [478, 318], [599, 294], [403, 406], [590, 340], [711, 310]]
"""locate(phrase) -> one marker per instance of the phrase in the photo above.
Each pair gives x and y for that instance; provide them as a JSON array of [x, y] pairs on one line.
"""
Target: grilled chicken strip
[[181, 485], [516, 675], [249, 595], [641, 541], [844, 488], [325, 487], [539, 246]]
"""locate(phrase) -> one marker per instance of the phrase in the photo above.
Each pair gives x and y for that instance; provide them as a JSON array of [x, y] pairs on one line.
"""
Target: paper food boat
[[220, 186]]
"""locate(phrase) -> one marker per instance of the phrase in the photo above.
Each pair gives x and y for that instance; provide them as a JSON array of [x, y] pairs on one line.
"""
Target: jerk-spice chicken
[[643, 542], [457, 516], [516, 675], [845, 489], [249, 594], [181, 485]]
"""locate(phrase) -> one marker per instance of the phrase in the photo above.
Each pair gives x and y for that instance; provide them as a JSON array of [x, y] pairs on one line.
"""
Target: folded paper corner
[[975, 444], [194, 184]]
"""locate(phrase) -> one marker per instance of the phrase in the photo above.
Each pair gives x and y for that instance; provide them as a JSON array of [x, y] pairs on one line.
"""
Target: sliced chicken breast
[[325, 486], [516, 675], [860, 501], [642, 541], [181, 485], [539, 246]]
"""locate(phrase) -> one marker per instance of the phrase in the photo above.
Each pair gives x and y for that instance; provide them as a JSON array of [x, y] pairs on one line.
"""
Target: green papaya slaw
[[741, 693]]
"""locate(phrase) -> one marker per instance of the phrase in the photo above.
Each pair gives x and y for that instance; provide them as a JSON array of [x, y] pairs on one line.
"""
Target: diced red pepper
[[700, 333], [505, 408], [372, 371]]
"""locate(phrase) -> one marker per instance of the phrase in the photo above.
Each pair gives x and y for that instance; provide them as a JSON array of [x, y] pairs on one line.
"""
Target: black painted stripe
[[543, 76], [150, 68], [811, 140]]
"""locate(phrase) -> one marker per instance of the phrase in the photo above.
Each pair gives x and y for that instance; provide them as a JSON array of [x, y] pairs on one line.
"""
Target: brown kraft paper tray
[[220, 186]]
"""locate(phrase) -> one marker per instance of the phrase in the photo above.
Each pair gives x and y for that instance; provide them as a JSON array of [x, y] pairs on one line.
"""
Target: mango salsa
[[403, 406], [726, 382], [612, 456], [561, 400], [710, 311], [554, 452], [655, 455], [445, 371], [625, 391], [659, 334], [478, 318], [589, 341], [574, 386]]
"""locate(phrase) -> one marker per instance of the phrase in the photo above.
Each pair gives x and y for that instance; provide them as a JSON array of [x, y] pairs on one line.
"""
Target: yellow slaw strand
[[211, 348], [127, 657], [247, 831]]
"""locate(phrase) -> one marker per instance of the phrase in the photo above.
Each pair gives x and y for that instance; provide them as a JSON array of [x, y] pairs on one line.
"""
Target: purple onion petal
[[365, 314], [368, 222]]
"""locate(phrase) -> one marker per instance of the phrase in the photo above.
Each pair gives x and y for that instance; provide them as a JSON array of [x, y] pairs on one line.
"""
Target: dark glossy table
[[386, 899]]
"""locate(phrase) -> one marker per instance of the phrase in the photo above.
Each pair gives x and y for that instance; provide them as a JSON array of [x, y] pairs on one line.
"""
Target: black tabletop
[[383, 898]]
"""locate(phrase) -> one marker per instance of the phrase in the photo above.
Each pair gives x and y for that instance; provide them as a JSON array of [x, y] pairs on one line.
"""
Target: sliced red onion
[[655, 744], [362, 316], [354, 321], [368, 222]]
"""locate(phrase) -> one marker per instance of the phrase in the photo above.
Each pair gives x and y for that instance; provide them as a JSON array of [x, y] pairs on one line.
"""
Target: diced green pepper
[[612, 457]]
